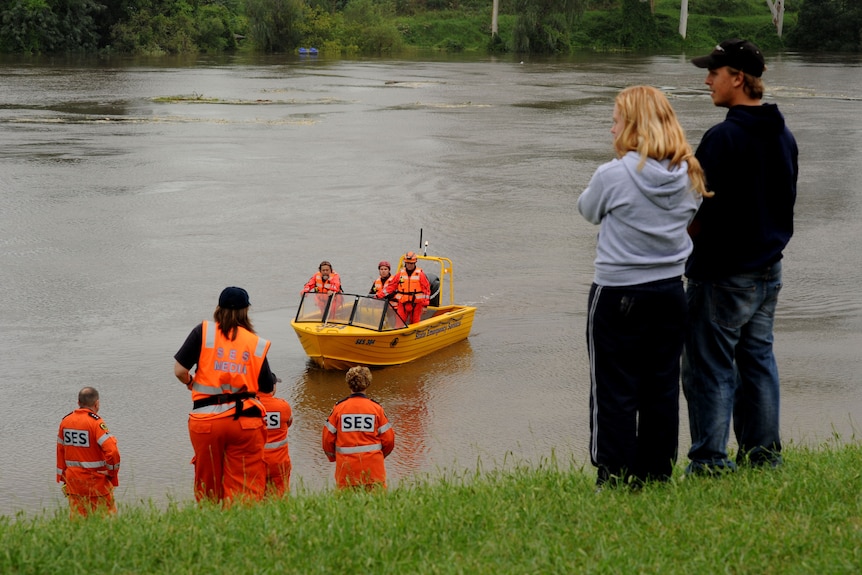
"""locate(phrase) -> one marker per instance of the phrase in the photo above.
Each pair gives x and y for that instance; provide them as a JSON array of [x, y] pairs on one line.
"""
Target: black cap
[[269, 386], [233, 298], [738, 54]]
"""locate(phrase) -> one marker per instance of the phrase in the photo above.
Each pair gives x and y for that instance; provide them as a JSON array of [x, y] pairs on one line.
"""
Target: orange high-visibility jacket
[[88, 460], [279, 417], [357, 436], [317, 285], [378, 285], [407, 288], [227, 367]]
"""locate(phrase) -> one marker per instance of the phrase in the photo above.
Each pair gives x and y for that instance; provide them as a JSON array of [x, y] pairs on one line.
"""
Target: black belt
[[230, 398]]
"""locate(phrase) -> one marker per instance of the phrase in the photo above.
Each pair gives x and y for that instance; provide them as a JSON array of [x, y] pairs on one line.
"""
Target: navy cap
[[738, 54], [233, 298]]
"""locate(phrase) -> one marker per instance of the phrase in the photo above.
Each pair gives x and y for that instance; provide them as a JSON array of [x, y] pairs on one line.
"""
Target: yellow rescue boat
[[339, 331]]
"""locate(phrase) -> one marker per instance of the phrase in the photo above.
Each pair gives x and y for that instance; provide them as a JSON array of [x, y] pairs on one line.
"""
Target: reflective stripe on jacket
[[227, 367], [407, 288], [378, 285], [357, 436], [317, 285], [279, 417], [88, 459]]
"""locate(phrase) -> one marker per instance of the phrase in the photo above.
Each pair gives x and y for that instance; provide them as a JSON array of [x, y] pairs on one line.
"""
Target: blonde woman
[[643, 202]]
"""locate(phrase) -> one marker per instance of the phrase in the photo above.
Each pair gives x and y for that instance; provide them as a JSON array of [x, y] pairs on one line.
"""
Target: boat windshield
[[348, 309]]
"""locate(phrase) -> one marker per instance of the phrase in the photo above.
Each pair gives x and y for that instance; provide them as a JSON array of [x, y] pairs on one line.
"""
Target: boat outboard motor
[[434, 299]]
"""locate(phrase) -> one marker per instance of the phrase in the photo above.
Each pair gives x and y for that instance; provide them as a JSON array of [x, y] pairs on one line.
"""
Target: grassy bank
[[805, 517], [599, 29]]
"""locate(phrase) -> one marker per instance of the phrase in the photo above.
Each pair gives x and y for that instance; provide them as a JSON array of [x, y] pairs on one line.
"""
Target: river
[[133, 191]]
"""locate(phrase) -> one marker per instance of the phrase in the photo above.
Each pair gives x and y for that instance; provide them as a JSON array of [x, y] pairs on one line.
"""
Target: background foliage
[[829, 25], [156, 27]]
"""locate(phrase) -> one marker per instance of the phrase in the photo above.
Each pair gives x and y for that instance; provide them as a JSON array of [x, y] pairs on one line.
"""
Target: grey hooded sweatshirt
[[644, 216]]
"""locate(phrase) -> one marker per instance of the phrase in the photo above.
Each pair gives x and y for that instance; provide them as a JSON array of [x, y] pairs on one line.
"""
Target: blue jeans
[[729, 369]]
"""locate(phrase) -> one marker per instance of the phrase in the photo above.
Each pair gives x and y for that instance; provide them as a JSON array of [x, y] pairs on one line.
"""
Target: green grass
[[469, 31], [452, 31], [805, 518]]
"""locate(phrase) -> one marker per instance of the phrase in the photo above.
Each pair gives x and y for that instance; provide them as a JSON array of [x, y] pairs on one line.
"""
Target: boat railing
[[348, 309]]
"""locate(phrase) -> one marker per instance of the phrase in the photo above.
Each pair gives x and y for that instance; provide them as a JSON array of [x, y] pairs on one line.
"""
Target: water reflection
[[408, 393]]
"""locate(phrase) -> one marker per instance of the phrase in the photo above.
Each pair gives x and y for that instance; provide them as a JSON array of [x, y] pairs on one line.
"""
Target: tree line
[[156, 27]]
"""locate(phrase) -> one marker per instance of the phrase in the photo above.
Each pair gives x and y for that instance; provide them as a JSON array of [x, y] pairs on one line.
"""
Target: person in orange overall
[[276, 454], [88, 460], [410, 288], [324, 282], [357, 436], [226, 425], [382, 268]]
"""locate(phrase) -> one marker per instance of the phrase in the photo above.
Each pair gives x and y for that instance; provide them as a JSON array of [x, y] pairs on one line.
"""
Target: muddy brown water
[[132, 192]]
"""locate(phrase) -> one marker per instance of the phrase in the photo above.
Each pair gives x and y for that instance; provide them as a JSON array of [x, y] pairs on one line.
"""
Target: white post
[[777, 9], [683, 18], [495, 8]]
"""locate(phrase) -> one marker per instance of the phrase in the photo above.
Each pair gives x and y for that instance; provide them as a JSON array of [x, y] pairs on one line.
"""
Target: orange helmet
[[410, 258]]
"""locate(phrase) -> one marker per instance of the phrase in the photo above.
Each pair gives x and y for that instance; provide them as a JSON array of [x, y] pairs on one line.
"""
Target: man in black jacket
[[734, 273]]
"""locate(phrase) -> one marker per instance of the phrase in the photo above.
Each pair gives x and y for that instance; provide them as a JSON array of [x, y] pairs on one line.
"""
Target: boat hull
[[337, 346]]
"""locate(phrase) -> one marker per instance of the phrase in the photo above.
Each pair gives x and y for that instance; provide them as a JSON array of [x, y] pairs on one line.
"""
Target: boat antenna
[[421, 245]]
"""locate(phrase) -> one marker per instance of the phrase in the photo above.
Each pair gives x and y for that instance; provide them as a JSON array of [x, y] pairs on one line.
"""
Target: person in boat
[[410, 289], [358, 436], [729, 370], [276, 453], [323, 283], [226, 424], [383, 269], [88, 460], [643, 202]]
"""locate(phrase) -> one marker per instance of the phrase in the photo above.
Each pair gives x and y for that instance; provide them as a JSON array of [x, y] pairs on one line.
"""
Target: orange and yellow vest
[[228, 367], [379, 283], [332, 285], [409, 287]]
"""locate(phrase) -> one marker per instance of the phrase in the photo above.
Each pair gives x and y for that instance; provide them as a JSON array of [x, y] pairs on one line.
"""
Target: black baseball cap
[[233, 298], [738, 54]]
